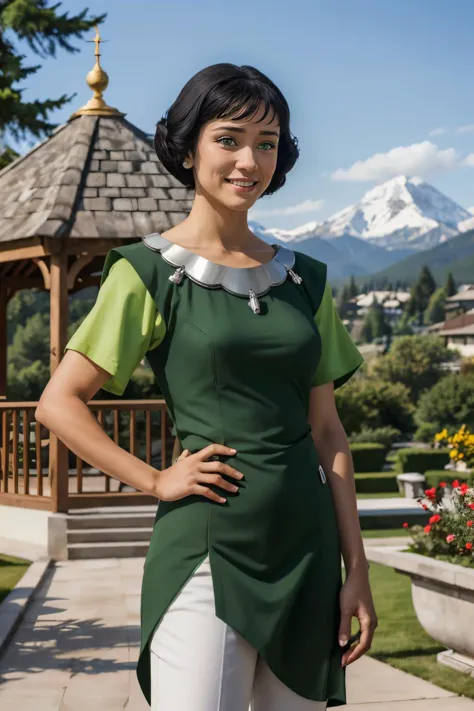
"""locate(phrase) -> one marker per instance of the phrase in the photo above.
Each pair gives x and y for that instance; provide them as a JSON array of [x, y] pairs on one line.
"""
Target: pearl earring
[[186, 164]]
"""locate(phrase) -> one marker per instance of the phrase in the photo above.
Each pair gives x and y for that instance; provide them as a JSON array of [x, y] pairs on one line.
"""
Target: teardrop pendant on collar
[[296, 277], [254, 303], [178, 275]]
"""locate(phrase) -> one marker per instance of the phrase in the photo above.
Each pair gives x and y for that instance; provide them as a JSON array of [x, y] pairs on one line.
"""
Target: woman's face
[[230, 149]]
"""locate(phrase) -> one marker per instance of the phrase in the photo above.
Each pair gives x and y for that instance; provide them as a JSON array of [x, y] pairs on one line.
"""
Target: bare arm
[[334, 452], [63, 410], [336, 459]]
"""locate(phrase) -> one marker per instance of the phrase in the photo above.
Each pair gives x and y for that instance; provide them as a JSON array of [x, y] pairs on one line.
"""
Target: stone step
[[123, 549], [111, 520], [105, 535]]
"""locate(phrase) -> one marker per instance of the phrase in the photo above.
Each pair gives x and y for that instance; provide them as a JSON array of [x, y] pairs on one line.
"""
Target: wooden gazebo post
[[58, 453], [3, 341]]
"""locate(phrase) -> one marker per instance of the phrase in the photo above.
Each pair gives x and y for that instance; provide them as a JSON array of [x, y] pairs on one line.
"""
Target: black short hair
[[219, 91]]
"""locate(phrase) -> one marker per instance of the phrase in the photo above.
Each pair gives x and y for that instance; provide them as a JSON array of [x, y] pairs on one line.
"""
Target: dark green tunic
[[240, 379]]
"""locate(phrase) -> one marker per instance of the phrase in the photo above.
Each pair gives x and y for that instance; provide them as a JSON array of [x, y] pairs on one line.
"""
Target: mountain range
[[396, 223]]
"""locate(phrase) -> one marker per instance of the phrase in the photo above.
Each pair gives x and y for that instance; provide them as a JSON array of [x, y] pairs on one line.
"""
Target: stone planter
[[443, 598], [411, 485]]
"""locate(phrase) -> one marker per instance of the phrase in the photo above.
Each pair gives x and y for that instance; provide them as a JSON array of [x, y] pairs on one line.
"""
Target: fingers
[[345, 627], [367, 629], [218, 480], [217, 466], [214, 448], [210, 472], [209, 493]]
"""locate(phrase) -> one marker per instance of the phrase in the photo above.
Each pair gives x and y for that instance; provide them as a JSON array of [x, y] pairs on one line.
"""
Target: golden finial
[[98, 81]]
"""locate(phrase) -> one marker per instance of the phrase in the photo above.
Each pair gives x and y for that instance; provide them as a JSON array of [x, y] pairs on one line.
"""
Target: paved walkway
[[78, 645]]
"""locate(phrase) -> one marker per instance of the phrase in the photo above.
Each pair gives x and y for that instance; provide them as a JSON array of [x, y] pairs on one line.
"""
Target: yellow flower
[[453, 453]]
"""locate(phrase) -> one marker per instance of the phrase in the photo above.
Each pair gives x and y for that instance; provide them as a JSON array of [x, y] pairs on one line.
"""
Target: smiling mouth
[[238, 181]]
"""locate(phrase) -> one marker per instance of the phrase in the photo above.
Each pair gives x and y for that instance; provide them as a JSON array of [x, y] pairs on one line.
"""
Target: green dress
[[236, 352]]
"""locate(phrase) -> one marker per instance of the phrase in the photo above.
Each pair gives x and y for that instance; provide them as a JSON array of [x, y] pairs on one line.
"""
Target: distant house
[[392, 302], [461, 339], [461, 302], [458, 331]]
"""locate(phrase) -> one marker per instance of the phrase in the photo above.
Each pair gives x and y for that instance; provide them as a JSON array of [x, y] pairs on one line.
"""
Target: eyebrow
[[242, 130]]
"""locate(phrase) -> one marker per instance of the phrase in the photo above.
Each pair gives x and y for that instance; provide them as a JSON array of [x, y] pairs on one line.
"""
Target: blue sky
[[375, 88]]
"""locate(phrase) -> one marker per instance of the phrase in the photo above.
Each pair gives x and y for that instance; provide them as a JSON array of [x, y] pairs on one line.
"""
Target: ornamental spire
[[98, 81]]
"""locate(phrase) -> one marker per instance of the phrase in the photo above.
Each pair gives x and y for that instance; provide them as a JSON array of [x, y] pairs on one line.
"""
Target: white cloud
[[437, 132], [302, 207], [469, 159], [416, 159], [471, 210], [469, 128]]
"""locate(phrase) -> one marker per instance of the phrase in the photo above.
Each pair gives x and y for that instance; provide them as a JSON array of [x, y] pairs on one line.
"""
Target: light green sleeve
[[340, 357], [121, 327]]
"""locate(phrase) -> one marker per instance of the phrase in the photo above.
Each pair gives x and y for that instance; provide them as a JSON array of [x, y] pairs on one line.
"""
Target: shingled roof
[[95, 177]]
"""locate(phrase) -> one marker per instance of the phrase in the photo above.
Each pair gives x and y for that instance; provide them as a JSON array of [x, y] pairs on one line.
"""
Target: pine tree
[[375, 322], [420, 294], [342, 300], [427, 286], [435, 310], [450, 286], [353, 291], [44, 29]]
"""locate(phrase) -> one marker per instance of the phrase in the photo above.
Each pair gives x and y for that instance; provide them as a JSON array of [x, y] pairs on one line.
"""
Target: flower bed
[[449, 533], [440, 563]]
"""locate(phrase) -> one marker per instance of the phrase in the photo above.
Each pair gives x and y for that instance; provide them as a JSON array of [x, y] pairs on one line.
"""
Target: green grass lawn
[[383, 495], [385, 532], [400, 640], [11, 570]]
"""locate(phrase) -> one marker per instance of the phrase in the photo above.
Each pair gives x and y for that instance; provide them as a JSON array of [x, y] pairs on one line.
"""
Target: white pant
[[199, 663]]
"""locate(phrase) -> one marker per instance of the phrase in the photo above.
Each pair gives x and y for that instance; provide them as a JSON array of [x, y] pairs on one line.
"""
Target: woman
[[242, 594]]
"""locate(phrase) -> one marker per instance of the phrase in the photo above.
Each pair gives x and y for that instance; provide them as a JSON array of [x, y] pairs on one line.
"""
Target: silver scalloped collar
[[236, 280]]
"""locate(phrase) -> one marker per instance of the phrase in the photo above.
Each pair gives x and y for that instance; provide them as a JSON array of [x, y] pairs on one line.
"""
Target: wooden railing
[[39, 471]]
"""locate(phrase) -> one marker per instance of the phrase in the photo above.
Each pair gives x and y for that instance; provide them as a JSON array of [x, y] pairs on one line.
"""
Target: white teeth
[[237, 182]]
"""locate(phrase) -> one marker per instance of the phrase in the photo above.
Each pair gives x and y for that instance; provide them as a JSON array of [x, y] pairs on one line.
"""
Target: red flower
[[455, 483], [471, 506], [469, 523], [468, 546], [425, 507], [450, 537], [427, 529], [464, 489], [435, 518], [431, 493], [442, 484], [405, 525]]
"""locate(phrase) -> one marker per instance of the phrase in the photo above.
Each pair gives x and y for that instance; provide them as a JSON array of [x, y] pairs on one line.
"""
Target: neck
[[212, 226]]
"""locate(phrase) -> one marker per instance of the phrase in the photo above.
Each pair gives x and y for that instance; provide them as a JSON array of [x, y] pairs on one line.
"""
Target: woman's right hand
[[191, 474]]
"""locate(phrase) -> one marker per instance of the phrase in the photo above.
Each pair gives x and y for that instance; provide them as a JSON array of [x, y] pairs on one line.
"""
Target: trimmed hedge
[[376, 483], [381, 435], [434, 477], [420, 460], [368, 456]]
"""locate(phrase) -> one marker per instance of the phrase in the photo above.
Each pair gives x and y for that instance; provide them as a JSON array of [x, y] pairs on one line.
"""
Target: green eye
[[231, 138]]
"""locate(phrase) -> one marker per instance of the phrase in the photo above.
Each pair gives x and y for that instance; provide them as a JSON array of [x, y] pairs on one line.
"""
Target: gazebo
[[94, 184]]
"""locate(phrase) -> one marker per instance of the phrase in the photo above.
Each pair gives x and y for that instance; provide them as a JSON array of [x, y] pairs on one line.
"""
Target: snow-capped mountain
[[343, 255], [391, 221], [399, 214], [295, 235]]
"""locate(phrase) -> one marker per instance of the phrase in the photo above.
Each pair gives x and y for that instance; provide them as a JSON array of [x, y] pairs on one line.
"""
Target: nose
[[246, 160]]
